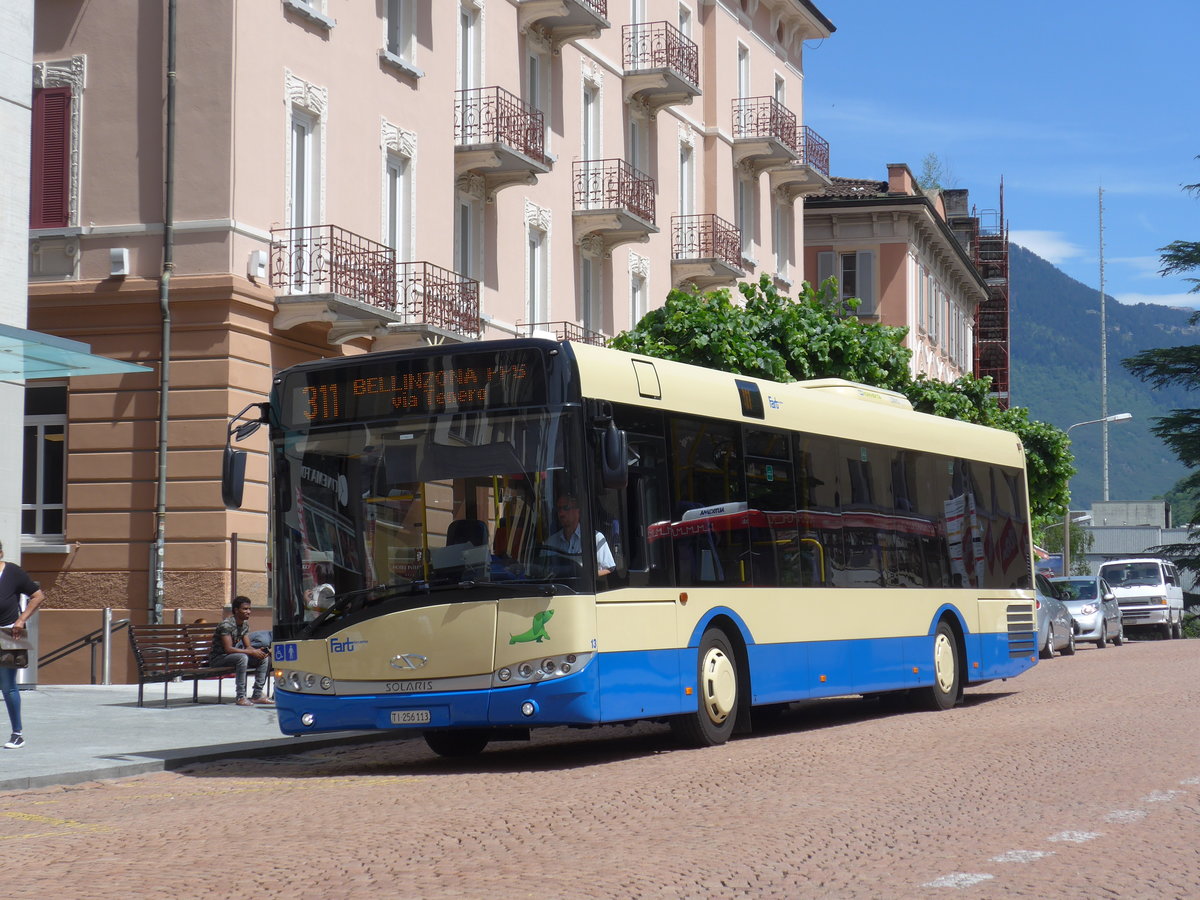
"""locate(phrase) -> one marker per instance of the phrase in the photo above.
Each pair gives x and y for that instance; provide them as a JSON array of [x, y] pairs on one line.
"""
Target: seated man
[[231, 647], [567, 540]]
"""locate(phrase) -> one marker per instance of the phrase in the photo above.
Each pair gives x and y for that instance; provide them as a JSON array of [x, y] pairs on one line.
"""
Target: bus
[[476, 540]]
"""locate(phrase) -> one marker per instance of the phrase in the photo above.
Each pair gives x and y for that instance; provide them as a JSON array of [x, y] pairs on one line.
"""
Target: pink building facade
[[349, 177], [893, 245]]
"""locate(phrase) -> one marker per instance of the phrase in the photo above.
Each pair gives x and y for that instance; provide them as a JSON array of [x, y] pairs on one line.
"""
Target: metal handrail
[[706, 236], [765, 117], [490, 115], [326, 259], [660, 45], [612, 184], [567, 331], [101, 637], [815, 149]]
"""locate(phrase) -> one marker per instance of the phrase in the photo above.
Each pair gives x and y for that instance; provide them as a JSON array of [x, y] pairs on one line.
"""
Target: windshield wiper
[[515, 587]]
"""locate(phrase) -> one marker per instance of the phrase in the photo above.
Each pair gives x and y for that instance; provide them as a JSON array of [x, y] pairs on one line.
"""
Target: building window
[[468, 45], [590, 304], [637, 298], [468, 236], [304, 166], [687, 175], [746, 212], [44, 483], [400, 29], [743, 71], [781, 237], [855, 273], [399, 206], [537, 275], [685, 21], [50, 173]]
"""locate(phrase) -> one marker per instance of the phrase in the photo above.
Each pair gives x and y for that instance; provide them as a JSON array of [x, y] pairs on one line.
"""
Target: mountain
[[1055, 373]]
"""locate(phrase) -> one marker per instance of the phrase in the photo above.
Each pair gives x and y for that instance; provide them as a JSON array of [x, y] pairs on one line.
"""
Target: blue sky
[[1058, 97]]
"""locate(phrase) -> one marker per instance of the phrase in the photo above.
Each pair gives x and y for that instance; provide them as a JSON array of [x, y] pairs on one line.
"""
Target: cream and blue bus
[[476, 540]]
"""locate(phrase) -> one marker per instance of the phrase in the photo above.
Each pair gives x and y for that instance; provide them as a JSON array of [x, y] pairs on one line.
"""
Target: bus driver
[[566, 539]]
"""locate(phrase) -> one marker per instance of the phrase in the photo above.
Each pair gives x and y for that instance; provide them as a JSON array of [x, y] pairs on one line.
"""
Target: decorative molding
[[304, 94], [70, 73], [537, 216], [592, 72], [471, 184], [397, 140], [687, 136], [639, 265], [593, 245]]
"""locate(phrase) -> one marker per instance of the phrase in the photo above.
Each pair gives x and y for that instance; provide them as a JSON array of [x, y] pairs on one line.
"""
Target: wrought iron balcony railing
[[612, 184], [706, 236], [765, 117], [567, 331], [439, 297], [492, 115], [660, 45], [325, 259], [814, 149]]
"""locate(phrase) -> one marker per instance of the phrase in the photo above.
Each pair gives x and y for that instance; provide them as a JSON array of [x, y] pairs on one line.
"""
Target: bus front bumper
[[571, 700]]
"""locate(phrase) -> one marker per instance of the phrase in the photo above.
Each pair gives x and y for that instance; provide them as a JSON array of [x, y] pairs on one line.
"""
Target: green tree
[[818, 336], [1178, 366], [935, 173]]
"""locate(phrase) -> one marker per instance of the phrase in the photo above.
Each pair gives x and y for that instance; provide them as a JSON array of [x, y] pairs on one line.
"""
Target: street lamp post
[[1116, 417]]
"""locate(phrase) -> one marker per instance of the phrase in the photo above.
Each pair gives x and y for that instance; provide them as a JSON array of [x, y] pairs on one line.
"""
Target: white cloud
[[1049, 245], [1184, 301]]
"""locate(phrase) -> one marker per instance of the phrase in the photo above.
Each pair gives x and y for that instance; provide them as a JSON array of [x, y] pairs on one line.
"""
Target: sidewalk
[[77, 733]]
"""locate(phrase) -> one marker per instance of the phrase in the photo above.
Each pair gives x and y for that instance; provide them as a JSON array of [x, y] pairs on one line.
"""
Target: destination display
[[413, 386]]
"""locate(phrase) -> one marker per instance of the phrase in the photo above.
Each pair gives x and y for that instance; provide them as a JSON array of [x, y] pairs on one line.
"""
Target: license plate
[[410, 717]]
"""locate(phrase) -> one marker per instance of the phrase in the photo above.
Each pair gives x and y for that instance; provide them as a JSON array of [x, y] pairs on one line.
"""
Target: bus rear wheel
[[718, 694], [464, 742], [947, 670]]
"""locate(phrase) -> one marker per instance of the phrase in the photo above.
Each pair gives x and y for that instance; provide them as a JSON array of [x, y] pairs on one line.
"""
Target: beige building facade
[[348, 177], [894, 246]]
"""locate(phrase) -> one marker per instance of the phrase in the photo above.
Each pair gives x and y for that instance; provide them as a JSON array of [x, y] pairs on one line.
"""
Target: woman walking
[[13, 583]]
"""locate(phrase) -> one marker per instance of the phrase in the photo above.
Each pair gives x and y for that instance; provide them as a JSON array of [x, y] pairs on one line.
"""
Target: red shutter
[[50, 176]]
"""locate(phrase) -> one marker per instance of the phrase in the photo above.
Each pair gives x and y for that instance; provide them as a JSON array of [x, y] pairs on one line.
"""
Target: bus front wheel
[[462, 742], [947, 670], [718, 694]]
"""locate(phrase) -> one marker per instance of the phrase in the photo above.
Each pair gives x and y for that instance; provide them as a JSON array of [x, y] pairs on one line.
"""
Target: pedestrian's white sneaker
[[16, 742]]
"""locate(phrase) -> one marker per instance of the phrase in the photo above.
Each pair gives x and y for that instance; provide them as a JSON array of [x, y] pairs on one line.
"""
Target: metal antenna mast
[[1103, 352]]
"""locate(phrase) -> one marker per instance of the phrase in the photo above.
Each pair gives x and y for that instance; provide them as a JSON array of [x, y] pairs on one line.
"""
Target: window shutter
[[864, 263], [50, 158], [825, 263]]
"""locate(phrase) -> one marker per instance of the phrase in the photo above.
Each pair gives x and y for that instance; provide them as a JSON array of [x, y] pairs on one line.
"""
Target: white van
[[1148, 591]]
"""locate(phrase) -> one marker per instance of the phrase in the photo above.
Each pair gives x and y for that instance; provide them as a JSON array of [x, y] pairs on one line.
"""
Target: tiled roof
[[851, 188]]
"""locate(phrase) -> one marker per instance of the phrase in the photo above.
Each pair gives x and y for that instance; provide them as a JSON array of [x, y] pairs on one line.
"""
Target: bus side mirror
[[614, 458], [233, 477]]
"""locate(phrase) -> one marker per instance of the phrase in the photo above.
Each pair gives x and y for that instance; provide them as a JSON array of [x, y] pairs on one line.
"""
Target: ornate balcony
[[662, 67], [326, 274], [705, 251], [565, 331], [563, 20], [613, 203], [810, 172], [437, 304], [499, 138], [764, 134]]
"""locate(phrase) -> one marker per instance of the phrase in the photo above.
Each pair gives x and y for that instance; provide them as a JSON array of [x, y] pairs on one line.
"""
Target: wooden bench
[[167, 652]]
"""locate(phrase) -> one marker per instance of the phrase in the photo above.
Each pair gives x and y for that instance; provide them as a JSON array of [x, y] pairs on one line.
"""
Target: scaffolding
[[988, 246]]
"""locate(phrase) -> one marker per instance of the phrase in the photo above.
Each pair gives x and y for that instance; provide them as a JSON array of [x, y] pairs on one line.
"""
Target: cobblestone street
[[1078, 779]]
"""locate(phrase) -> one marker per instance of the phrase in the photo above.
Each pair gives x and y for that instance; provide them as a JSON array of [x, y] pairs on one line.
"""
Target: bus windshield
[[384, 514]]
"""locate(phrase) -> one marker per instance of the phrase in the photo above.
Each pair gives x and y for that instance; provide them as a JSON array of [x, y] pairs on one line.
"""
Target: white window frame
[[638, 293], [781, 238], [747, 204], [685, 21], [398, 205], [537, 84], [469, 66], [468, 236], [591, 287], [537, 273], [687, 179], [44, 425], [743, 71], [399, 37]]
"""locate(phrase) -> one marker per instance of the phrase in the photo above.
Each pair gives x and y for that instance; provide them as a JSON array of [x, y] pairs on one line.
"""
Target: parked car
[[1056, 628], [1149, 592], [1093, 606]]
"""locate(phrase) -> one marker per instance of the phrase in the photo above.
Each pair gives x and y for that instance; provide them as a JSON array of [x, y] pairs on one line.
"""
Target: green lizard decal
[[535, 633]]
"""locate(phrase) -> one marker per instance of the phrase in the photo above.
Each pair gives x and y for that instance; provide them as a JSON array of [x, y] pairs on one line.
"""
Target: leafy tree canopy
[[819, 336], [1180, 430]]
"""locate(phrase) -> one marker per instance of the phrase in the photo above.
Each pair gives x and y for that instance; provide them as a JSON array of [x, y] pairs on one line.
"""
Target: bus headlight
[[535, 670]]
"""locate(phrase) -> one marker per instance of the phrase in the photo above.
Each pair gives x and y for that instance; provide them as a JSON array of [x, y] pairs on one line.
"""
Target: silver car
[[1093, 606], [1056, 628]]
